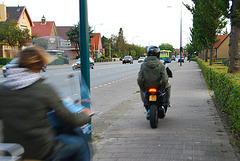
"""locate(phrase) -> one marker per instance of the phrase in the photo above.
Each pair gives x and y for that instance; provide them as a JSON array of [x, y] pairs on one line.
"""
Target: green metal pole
[[84, 42], [84, 52]]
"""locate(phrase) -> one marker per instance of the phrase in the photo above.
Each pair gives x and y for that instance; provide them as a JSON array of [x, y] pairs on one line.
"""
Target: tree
[[166, 46], [121, 44], [190, 49], [74, 36], [138, 51], [106, 43], [206, 25], [234, 47], [12, 35], [9, 32], [117, 46], [23, 38]]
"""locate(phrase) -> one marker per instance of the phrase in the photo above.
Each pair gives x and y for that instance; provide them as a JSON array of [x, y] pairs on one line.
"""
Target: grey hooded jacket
[[152, 74]]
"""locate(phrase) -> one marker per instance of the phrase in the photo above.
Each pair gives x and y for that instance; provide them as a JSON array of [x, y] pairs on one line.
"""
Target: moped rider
[[25, 101], [153, 74]]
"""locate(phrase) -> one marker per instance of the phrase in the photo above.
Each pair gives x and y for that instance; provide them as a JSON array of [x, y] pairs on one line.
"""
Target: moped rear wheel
[[153, 116]]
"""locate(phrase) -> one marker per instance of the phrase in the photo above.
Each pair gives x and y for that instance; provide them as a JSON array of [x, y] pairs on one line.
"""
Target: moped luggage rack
[[11, 152]]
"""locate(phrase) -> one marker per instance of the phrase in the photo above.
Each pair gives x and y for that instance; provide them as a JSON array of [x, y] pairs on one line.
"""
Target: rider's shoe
[[162, 112], [148, 115]]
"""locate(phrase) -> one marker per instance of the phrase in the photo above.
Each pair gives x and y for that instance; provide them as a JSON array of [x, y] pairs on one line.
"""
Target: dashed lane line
[[116, 81]]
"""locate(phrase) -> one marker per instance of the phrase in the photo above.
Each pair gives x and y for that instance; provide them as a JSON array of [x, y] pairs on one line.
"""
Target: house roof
[[43, 29], [14, 13], [96, 37], [221, 38], [62, 31]]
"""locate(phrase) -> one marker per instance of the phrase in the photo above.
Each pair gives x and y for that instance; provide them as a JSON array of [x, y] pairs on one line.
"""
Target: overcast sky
[[144, 22]]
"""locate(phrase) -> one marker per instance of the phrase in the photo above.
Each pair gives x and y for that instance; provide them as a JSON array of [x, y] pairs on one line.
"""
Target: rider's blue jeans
[[70, 148]]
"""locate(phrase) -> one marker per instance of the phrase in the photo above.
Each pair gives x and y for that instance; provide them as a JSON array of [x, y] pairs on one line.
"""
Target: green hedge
[[226, 87], [59, 61], [4, 61]]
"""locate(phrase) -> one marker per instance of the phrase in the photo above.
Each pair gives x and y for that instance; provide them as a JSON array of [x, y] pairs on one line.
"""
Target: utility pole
[[84, 51], [181, 49]]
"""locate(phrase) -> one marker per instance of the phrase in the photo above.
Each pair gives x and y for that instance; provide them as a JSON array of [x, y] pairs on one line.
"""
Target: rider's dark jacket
[[24, 115], [152, 74]]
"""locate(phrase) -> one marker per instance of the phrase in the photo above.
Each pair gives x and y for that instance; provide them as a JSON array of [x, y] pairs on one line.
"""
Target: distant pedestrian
[[189, 58]]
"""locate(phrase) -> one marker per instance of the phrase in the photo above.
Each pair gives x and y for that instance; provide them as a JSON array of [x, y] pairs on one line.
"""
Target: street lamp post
[[181, 49]]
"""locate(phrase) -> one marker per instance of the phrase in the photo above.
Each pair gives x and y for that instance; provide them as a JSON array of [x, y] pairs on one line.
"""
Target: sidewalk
[[191, 131]]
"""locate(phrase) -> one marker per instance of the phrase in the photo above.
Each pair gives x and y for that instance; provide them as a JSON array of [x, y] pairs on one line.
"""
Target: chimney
[[43, 21], [18, 9], [3, 12]]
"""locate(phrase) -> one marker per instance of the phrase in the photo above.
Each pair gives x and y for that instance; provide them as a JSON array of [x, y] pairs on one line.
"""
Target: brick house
[[96, 46], [65, 43], [46, 30], [20, 14]]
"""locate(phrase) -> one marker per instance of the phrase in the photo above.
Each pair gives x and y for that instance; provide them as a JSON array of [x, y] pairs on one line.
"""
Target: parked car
[[127, 59], [141, 59], [12, 64], [77, 64]]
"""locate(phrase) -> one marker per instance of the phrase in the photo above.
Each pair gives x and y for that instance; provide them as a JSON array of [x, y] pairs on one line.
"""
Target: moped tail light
[[152, 90]]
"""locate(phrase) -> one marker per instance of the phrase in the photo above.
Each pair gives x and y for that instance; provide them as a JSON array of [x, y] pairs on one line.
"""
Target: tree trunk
[[1, 50], [211, 55], [234, 45], [206, 54]]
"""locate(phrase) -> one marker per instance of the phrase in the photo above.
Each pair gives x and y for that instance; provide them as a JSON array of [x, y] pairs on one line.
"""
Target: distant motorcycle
[[156, 102]]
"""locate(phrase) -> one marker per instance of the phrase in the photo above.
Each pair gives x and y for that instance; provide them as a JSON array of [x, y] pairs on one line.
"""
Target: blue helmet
[[153, 51]]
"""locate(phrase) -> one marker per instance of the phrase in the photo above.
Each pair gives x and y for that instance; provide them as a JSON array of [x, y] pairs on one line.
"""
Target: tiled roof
[[95, 38], [62, 31], [221, 38], [14, 13], [43, 29]]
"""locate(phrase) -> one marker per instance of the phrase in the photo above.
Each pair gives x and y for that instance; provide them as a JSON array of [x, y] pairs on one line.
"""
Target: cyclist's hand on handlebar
[[87, 111]]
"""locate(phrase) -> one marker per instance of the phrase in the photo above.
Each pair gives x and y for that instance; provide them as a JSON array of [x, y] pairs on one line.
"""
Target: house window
[[23, 27], [65, 43]]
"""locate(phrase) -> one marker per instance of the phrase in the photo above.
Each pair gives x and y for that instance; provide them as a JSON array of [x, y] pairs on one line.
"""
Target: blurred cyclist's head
[[153, 51], [34, 58]]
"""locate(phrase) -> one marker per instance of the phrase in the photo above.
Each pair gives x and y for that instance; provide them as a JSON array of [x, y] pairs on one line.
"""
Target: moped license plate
[[152, 98]]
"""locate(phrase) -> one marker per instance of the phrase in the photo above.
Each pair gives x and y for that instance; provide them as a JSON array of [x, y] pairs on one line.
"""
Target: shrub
[[226, 87], [4, 61], [58, 61], [102, 56]]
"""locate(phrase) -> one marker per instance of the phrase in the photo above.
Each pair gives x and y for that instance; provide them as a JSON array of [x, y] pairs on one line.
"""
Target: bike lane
[[192, 129]]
